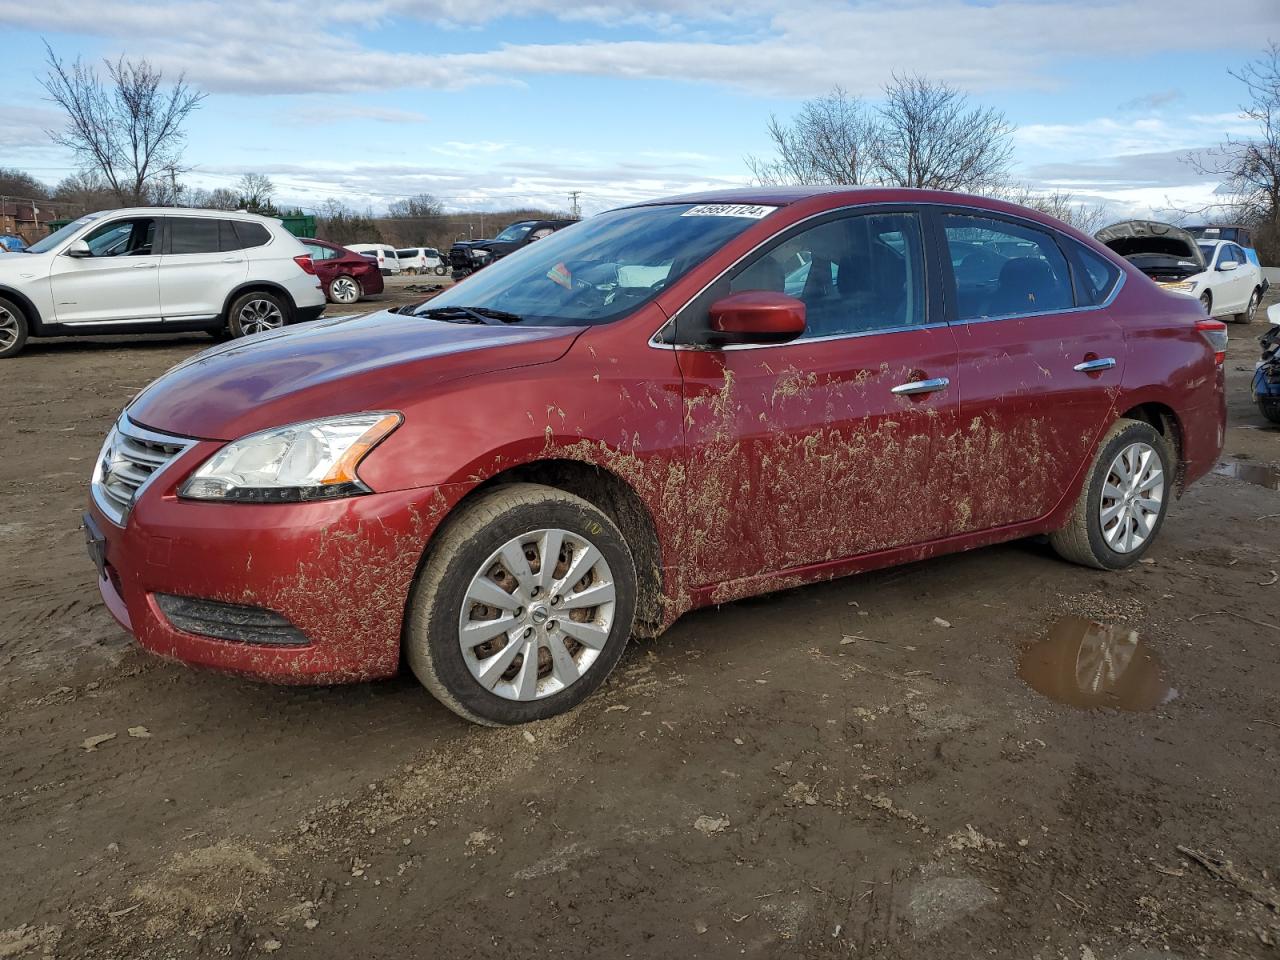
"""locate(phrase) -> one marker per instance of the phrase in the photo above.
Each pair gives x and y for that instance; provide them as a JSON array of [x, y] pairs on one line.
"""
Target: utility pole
[[173, 182], [575, 212]]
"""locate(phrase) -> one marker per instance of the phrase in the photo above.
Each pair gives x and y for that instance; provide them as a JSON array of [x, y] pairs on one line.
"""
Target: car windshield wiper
[[470, 315]]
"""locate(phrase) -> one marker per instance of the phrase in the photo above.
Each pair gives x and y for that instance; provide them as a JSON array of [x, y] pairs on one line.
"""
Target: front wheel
[[441, 270], [1123, 502], [13, 329], [1270, 409], [1206, 301], [523, 606]]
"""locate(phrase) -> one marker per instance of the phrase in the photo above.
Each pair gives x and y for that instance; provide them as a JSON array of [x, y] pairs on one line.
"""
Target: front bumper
[[339, 570]]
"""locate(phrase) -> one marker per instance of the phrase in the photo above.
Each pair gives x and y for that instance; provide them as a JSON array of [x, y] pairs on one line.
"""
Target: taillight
[[304, 261], [1215, 331]]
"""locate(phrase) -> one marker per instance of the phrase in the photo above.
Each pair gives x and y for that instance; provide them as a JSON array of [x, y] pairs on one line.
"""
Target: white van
[[423, 260], [388, 262]]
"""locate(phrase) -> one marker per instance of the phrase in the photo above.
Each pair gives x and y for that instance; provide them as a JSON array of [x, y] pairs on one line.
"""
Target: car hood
[[380, 361], [1131, 238]]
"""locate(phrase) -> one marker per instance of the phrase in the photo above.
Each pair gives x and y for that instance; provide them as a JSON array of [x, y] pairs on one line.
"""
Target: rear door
[[202, 263], [820, 449], [1039, 358]]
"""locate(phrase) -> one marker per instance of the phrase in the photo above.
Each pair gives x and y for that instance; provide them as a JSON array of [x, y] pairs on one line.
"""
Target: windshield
[[1207, 250], [516, 231], [55, 238], [597, 270]]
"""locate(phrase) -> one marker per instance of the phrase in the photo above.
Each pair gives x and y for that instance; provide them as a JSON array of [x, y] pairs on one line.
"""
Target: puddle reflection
[[1262, 474], [1088, 665]]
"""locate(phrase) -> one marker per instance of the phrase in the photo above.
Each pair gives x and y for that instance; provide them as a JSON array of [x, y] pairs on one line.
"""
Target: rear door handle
[[144, 266], [1094, 366], [233, 259], [921, 386]]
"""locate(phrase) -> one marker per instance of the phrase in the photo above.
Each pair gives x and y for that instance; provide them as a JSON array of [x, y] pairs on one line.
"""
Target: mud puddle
[[1262, 474], [1088, 665]]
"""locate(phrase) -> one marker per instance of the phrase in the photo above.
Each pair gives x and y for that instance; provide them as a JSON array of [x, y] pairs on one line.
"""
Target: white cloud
[[341, 113]]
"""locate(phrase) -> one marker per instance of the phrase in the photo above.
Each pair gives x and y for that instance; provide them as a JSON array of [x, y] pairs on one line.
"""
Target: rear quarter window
[[252, 234], [1098, 277]]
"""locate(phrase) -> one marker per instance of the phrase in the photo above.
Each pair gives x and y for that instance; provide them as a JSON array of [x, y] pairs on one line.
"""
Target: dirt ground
[[898, 765]]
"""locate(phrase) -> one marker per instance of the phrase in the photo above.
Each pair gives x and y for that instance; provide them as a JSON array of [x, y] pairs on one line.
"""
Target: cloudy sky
[[488, 104]]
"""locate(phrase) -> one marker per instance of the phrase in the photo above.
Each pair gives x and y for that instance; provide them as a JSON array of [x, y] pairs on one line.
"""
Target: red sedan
[[345, 275], [670, 405]]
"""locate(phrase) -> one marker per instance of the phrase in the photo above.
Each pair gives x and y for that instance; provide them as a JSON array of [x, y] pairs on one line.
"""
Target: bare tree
[[930, 136], [84, 192], [1062, 204], [924, 134], [256, 191], [1250, 168], [128, 129], [422, 206], [829, 141], [18, 184], [219, 198]]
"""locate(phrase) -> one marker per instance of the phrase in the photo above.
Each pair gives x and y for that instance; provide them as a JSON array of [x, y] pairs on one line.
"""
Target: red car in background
[[667, 406], [345, 275]]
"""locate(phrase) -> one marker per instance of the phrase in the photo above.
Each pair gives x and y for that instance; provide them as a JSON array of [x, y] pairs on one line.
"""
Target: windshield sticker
[[749, 211], [560, 274]]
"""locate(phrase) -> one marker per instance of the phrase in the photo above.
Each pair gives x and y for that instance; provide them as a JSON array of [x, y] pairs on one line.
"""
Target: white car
[[385, 255], [157, 270], [421, 260], [1230, 285]]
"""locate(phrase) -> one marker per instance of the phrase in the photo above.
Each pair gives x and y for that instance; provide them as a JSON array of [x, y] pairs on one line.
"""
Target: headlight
[[479, 254], [1188, 286], [315, 460]]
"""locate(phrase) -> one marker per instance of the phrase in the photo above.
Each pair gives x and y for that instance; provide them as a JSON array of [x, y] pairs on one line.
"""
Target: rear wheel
[[1123, 502], [1251, 310], [344, 289], [13, 329], [256, 312], [523, 606]]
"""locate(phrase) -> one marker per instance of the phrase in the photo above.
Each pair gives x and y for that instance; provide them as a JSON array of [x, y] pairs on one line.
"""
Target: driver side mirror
[[78, 248], [758, 316], [1225, 267]]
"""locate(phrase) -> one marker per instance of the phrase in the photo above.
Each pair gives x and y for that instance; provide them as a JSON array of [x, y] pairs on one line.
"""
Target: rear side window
[[251, 234], [1098, 277], [193, 235], [1004, 269]]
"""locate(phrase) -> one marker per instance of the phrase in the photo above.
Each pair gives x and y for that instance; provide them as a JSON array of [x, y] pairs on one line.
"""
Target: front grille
[[229, 621], [129, 460]]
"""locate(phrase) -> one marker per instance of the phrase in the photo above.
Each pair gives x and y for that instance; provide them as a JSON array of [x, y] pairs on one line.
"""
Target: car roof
[[187, 212]]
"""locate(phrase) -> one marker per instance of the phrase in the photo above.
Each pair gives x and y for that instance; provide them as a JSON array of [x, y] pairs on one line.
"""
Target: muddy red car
[[670, 405], [345, 275]]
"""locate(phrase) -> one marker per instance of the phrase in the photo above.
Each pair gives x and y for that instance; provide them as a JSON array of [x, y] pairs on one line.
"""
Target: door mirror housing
[[78, 248], [757, 316], [1228, 267]]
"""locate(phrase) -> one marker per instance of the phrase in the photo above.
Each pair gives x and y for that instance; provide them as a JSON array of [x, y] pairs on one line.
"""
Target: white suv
[[157, 270]]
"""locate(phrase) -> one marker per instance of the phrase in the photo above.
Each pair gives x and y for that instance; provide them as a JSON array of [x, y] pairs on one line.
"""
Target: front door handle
[[144, 266], [233, 259], [921, 386], [1095, 366]]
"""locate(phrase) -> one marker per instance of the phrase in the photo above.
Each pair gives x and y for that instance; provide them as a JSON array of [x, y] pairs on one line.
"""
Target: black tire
[[13, 329], [1270, 409], [1251, 310], [1081, 540], [1206, 301], [461, 549], [241, 322], [441, 270], [340, 287]]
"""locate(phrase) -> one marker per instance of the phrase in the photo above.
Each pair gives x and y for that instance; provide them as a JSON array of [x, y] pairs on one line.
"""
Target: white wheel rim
[[529, 629], [344, 290], [258, 316], [8, 329], [1132, 497]]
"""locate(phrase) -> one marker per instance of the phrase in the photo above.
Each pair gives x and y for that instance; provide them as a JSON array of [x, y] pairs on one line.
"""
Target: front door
[[1039, 362], [818, 449], [117, 282]]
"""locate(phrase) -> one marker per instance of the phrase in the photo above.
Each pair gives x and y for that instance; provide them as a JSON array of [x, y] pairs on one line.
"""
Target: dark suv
[[468, 256]]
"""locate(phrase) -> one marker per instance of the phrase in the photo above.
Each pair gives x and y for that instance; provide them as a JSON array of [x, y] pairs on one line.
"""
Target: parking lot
[[867, 768]]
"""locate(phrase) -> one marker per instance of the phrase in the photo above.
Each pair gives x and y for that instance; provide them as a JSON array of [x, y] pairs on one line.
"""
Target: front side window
[[1004, 269], [52, 241], [123, 238], [856, 274], [193, 235], [602, 268], [517, 231], [1225, 256]]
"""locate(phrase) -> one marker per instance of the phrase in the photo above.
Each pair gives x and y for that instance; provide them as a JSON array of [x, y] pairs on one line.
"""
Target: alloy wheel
[[344, 290], [1132, 496], [9, 329], [1252, 310], [257, 316], [537, 614]]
